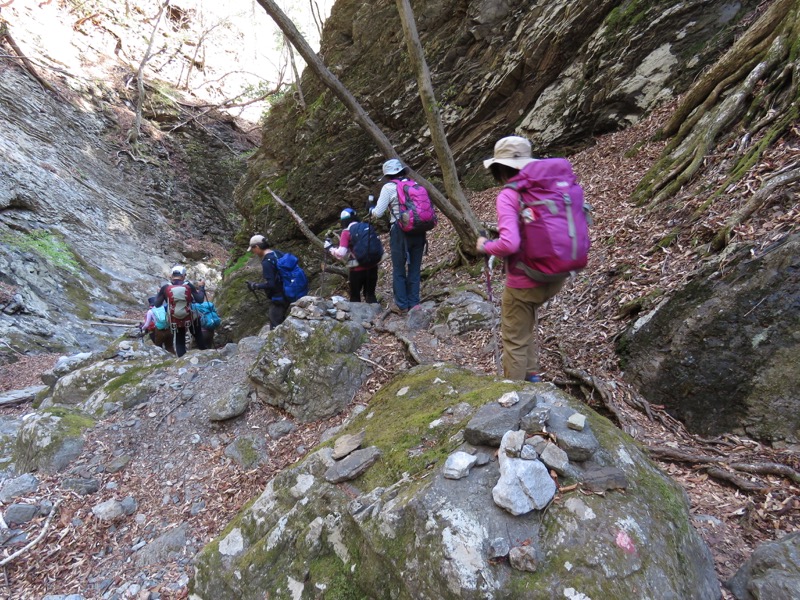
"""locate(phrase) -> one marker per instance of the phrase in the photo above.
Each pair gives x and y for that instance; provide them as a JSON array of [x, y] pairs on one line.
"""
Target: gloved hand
[[250, 285], [327, 244]]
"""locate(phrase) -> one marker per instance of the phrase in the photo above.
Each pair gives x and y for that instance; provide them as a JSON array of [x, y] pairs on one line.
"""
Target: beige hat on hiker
[[512, 151]]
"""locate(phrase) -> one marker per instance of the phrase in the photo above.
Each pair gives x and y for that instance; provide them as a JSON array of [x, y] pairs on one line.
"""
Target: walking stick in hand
[[488, 263]]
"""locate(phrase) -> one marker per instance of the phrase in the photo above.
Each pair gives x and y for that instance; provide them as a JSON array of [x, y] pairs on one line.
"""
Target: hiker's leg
[[416, 248], [277, 314], [179, 339], [538, 296], [370, 283], [397, 245], [516, 318], [355, 279], [197, 334]]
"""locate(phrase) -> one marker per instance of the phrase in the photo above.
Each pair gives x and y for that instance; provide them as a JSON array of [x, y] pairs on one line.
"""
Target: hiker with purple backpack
[[411, 215], [544, 238]]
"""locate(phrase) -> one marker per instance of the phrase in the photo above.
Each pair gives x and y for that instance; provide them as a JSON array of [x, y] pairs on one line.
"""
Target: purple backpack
[[417, 214], [553, 221]]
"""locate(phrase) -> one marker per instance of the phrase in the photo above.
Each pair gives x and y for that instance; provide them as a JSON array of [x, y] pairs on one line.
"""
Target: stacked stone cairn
[[538, 442], [313, 308]]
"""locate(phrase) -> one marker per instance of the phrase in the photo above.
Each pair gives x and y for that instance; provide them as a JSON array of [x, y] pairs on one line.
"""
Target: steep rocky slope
[[556, 72]]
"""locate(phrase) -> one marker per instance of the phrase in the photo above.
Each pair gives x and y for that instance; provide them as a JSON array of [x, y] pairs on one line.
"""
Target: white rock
[[576, 421], [458, 465], [508, 399]]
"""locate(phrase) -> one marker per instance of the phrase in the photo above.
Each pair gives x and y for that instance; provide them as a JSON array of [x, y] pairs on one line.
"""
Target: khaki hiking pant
[[518, 328]]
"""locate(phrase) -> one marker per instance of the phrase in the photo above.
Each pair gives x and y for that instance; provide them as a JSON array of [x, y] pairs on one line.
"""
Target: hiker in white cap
[[406, 249]]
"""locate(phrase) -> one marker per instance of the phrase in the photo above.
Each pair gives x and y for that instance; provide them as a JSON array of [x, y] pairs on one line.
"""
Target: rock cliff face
[[722, 353], [86, 230], [556, 72]]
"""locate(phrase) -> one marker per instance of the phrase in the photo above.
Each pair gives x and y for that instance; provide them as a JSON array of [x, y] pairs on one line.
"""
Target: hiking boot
[[398, 311], [533, 378]]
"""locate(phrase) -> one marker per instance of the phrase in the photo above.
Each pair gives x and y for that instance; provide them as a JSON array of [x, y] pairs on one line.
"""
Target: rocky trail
[[157, 482]]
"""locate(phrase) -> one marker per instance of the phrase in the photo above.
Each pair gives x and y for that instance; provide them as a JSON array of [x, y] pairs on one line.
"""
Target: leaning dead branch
[[5, 36]]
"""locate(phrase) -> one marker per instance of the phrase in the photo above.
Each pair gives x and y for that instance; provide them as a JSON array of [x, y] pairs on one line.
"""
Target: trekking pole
[[488, 262]]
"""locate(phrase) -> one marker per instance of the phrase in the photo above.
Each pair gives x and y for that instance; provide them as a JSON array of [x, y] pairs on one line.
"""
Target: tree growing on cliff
[[455, 208], [753, 93]]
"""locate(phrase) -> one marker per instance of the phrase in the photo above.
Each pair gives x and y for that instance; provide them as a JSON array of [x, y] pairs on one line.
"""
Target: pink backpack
[[417, 214], [553, 221]]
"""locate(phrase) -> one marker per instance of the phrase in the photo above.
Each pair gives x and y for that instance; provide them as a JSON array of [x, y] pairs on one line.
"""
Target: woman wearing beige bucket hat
[[522, 296]]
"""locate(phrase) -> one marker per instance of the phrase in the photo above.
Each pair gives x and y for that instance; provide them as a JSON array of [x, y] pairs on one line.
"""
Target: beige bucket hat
[[512, 151]]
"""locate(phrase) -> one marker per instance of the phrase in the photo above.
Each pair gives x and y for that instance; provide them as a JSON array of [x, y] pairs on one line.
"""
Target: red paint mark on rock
[[625, 542]]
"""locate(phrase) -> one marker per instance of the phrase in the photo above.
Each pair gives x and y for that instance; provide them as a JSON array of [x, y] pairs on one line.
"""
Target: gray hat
[[512, 151], [392, 167]]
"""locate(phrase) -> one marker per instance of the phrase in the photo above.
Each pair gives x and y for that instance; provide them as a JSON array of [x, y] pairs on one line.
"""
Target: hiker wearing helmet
[[178, 295], [360, 247], [278, 307], [406, 247], [523, 295]]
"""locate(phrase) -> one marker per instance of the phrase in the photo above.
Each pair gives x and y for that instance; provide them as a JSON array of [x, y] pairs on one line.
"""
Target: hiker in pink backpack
[[544, 237], [411, 215]]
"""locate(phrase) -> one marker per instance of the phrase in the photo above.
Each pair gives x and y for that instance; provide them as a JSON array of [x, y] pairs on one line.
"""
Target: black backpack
[[365, 245]]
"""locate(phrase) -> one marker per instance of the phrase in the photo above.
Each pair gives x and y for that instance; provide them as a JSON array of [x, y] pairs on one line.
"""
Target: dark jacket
[[272, 285]]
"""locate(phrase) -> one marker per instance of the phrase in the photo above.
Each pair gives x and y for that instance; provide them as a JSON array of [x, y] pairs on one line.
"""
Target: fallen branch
[[743, 484], [374, 364], [411, 348], [298, 219], [767, 469], [38, 539], [118, 320], [5, 35]]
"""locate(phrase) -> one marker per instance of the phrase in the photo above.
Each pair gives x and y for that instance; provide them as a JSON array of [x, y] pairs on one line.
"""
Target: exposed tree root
[[723, 474], [787, 177]]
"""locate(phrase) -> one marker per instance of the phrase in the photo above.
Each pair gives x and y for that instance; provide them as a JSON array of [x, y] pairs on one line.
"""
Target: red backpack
[[179, 299], [553, 221], [417, 214]]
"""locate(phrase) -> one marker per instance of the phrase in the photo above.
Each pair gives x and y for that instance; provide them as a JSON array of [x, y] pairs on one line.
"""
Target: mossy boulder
[[308, 367], [723, 353], [50, 439], [403, 530]]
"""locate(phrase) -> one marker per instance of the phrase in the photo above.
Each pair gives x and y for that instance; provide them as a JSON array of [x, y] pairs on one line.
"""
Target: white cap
[[392, 167], [256, 240]]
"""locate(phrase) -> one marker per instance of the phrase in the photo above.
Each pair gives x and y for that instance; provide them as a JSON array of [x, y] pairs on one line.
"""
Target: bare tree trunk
[[449, 172], [133, 136], [462, 222], [300, 98]]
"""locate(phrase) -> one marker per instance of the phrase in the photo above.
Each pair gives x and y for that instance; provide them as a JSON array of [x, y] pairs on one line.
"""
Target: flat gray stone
[[492, 421], [603, 479], [108, 510], [160, 548], [82, 485], [353, 465], [576, 421], [498, 548], [116, 465], [280, 428], [555, 458], [18, 486], [27, 394], [536, 420], [20, 513], [346, 444]]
